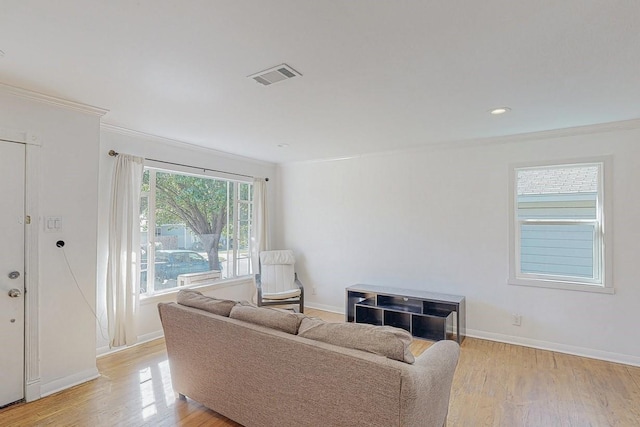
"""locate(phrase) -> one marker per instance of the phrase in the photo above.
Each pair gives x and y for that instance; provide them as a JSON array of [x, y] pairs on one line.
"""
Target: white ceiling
[[378, 75]]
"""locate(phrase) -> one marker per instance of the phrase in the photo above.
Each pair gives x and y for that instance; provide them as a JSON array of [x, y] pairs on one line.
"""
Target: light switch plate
[[53, 224]]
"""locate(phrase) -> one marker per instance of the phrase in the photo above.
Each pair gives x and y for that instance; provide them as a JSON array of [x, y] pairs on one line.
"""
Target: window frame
[[238, 202], [603, 260], [151, 222]]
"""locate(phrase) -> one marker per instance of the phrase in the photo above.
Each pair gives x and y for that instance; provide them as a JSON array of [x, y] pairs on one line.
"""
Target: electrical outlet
[[313, 290], [516, 319]]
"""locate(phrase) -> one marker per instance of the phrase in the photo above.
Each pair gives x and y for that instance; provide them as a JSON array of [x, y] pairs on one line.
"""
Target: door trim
[[32, 142]]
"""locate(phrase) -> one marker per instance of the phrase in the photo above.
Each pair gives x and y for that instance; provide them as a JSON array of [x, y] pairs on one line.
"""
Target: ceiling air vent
[[275, 75]]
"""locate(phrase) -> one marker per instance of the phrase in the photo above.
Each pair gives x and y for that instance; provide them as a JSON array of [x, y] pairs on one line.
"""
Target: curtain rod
[[114, 153]]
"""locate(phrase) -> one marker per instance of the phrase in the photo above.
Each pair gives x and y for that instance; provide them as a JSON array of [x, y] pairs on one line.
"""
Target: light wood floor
[[495, 385]]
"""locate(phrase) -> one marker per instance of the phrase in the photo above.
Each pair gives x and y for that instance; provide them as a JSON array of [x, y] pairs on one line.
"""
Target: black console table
[[426, 315]]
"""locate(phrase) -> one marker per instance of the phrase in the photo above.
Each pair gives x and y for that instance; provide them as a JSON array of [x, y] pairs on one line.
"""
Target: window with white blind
[[558, 229]]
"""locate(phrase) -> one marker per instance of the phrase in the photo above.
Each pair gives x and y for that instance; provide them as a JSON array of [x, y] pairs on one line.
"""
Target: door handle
[[14, 293]]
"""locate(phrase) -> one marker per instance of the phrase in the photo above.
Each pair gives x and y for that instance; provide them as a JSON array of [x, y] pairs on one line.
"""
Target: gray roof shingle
[[564, 179]]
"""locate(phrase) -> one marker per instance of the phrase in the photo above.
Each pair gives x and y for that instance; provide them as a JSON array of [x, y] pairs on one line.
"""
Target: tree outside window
[[197, 221]]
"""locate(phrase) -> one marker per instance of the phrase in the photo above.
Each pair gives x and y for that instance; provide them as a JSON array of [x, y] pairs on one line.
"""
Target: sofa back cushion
[[195, 299], [281, 320], [262, 377], [387, 341]]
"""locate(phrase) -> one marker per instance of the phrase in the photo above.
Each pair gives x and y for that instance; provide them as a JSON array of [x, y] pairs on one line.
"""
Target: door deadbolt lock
[[14, 275], [14, 293]]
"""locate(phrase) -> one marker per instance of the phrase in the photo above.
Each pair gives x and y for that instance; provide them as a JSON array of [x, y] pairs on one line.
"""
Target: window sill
[[567, 286], [170, 295]]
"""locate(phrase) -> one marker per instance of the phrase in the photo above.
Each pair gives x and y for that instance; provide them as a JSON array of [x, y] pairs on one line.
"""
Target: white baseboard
[[560, 348], [150, 336], [106, 350], [329, 308], [32, 391], [68, 381], [103, 351]]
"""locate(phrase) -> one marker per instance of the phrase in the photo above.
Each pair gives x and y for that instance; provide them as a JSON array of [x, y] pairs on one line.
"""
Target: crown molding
[[556, 133], [180, 144], [622, 125], [52, 100]]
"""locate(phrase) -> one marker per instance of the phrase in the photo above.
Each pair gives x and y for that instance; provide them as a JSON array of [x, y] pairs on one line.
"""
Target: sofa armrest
[[425, 396], [447, 351]]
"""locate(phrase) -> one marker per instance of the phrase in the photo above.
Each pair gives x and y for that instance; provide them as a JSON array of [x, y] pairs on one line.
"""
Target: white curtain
[[259, 232], [123, 265]]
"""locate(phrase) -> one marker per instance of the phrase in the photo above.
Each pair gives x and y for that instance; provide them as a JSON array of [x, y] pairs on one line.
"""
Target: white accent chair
[[277, 282]]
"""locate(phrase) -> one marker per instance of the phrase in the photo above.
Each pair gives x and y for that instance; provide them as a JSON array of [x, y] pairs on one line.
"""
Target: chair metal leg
[[301, 298]]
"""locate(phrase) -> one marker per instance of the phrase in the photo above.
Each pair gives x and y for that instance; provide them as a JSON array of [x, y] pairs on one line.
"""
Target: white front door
[[12, 215]]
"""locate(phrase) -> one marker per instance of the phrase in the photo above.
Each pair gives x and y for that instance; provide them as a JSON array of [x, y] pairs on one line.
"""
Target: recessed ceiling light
[[501, 110], [283, 145]]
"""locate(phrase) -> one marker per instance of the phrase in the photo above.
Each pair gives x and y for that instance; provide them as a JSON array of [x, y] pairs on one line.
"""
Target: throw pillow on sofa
[[284, 321], [195, 299], [387, 341]]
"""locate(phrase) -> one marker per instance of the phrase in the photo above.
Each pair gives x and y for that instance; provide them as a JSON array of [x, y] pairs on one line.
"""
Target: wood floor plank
[[495, 384]]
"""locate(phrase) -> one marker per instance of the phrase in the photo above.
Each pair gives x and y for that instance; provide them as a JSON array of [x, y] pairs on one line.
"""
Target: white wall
[[162, 149], [438, 219], [67, 188]]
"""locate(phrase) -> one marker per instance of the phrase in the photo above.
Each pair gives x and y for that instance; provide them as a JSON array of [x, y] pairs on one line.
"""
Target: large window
[[558, 228], [193, 229]]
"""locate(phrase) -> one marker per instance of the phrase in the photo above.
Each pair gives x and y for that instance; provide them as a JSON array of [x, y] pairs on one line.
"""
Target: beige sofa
[[261, 376]]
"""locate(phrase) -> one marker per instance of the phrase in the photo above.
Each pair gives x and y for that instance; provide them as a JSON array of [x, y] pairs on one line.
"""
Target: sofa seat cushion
[[195, 299], [282, 320], [387, 341]]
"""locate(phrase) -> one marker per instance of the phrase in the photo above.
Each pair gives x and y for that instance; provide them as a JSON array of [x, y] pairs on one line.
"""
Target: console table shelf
[[428, 315]]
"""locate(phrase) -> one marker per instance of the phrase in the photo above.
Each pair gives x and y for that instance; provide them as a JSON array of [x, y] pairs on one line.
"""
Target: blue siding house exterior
[[557, 214]]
